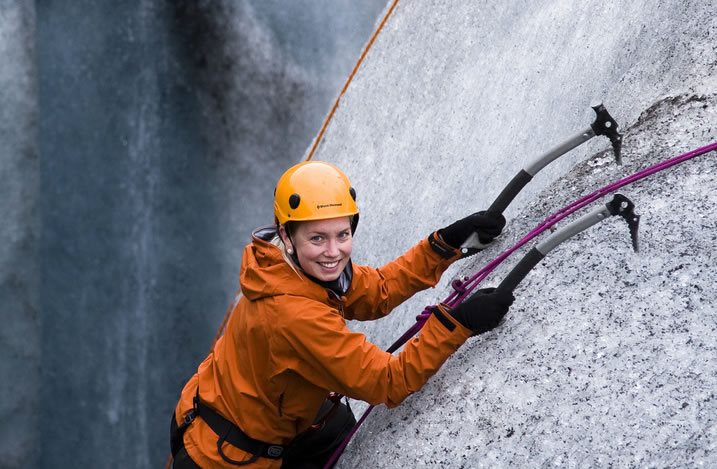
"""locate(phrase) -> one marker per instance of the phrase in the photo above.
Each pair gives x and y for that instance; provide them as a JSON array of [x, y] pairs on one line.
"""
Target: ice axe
[[619, 205], [604, 124]]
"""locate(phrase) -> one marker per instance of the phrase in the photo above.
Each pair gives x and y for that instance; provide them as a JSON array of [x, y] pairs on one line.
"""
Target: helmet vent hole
[[352, 191], [294, 201]]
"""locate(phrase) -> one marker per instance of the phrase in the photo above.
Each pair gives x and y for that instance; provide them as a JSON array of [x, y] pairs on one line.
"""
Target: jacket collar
[[268, 271]]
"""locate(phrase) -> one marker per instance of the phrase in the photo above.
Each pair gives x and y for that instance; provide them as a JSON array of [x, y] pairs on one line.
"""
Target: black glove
[[484, 310], [487, 225]]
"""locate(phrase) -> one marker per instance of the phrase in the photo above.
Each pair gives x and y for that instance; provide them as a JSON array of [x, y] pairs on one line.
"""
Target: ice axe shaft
[[524, 176], [619, 205], [604, 124]]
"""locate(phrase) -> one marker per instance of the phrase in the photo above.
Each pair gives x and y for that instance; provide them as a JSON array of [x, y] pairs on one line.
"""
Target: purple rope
[[470, 284], [463, 288]]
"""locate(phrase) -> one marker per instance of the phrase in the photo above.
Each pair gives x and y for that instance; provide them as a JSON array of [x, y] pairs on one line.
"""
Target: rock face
[[19, 233], [607, 356]]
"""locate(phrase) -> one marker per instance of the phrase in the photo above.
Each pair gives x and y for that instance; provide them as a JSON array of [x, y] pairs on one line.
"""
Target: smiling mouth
[[329, 265]]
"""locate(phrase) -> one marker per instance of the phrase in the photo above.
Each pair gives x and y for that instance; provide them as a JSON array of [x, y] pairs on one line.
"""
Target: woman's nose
[[332, 248]]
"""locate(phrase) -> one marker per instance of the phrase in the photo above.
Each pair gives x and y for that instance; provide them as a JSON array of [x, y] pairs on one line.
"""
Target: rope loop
[[425, 314], [459, 285]]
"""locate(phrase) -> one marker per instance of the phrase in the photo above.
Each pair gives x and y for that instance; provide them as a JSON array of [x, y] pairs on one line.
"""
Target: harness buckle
[[190, 416], [274, 451]]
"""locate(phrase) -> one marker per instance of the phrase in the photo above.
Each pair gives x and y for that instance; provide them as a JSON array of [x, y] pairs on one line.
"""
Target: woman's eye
[[344, 235], [317, 239]]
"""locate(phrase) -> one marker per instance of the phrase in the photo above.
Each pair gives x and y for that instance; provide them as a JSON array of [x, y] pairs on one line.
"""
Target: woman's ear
[[285, 239]]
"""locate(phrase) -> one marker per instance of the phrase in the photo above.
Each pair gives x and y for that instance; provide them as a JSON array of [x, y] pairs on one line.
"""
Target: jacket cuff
[[457, 331], [442, 248], [443, 313]]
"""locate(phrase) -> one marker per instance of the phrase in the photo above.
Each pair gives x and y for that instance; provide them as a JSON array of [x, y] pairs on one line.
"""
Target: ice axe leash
[[603, 125], [462, 288]]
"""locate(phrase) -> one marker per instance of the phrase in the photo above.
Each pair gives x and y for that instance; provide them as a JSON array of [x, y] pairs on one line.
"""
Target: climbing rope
[[375, 34], [320, 135]]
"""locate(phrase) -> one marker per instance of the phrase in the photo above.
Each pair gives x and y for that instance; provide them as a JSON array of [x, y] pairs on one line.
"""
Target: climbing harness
[[227, 432]]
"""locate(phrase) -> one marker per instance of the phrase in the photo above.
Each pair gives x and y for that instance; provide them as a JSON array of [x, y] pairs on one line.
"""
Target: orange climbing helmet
[[314, 190]]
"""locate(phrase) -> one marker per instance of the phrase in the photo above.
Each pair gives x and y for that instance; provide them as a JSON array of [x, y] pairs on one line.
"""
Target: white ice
[[608, 357]]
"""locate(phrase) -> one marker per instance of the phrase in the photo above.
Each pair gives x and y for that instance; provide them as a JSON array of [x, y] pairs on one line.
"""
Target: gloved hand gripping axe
[[604, 124], [619, 205]]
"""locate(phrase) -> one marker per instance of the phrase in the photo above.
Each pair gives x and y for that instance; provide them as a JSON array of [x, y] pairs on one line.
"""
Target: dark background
[[160, 128]]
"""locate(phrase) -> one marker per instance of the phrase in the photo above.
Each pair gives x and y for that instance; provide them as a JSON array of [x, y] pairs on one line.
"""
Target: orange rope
[[323, 129], [318, 138]]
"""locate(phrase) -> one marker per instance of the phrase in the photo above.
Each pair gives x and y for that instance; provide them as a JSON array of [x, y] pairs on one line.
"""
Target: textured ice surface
[[608, 356], [19, 187]]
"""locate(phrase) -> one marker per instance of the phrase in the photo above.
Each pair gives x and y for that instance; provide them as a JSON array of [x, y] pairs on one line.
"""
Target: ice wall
[[160, 125], [19, 232], [124, 194], [607, 356]]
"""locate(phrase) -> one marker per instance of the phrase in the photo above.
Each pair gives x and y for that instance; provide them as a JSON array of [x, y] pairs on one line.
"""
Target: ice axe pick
[[619, 205]]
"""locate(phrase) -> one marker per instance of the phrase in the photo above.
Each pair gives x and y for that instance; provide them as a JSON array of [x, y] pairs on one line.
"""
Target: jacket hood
[[265, 271]]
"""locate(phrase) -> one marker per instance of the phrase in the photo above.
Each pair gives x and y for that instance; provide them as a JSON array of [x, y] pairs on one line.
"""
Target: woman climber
[[260, 398]]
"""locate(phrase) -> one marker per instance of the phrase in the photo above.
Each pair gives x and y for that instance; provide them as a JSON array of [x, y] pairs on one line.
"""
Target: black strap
[[234, 435], [439, 311], [176, 432], [441, 247], [230, 433]]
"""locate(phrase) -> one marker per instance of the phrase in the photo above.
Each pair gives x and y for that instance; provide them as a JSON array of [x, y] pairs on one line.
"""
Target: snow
[[607, 356]]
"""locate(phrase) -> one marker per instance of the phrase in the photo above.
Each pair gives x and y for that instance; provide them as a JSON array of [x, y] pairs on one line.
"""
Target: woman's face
[[323, 246]]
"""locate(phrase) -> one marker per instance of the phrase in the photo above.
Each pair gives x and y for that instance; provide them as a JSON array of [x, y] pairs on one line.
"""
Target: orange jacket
[[286, 346]]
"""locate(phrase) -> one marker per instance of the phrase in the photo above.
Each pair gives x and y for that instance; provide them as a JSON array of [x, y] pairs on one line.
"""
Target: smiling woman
[[323, 247], [264, 394]]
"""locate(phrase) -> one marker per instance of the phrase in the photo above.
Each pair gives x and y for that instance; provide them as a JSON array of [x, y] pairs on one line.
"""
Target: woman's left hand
[[487, 225]]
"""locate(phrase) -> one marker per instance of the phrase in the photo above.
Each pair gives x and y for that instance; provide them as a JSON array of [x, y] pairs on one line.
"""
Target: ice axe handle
[[526, 264], [509, 192], [536, 254], [498, 206], [525, 175]]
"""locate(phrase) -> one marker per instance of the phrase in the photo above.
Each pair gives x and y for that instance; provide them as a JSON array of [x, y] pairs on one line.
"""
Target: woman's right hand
[[484, 310]]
